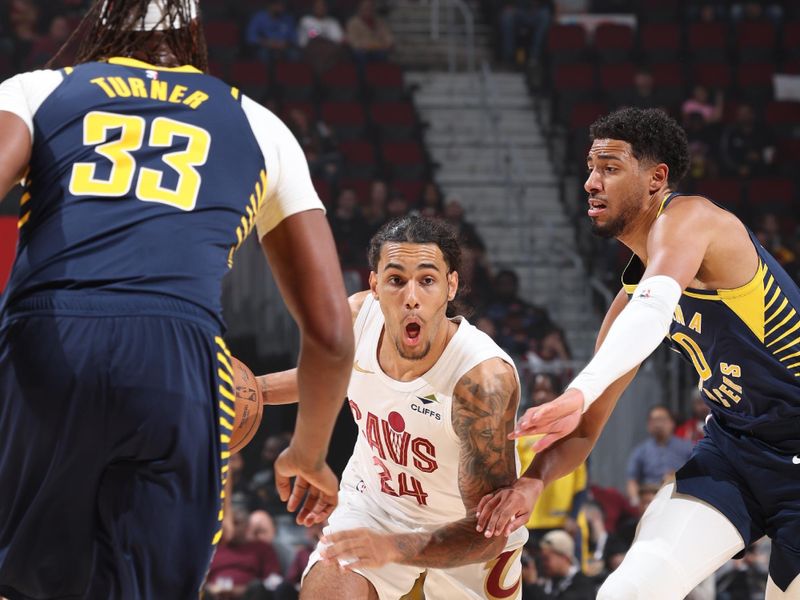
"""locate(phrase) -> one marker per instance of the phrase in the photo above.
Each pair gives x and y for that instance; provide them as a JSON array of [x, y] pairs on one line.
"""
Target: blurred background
[[477, 112]]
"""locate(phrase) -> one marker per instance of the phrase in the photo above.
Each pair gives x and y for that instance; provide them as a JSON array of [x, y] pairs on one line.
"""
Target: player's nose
[[593, 184], [411, 300]]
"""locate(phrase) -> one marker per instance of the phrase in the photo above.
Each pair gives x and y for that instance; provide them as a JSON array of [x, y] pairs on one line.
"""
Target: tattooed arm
[[484, 409]]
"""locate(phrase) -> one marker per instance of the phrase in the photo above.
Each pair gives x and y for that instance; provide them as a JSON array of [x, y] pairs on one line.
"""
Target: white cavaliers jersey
[[405, 460]]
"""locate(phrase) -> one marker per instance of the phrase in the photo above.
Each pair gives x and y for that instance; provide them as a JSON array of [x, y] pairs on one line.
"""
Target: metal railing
[[452, 7]]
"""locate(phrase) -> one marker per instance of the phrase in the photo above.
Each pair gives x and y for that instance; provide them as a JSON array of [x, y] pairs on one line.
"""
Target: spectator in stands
[[349, 230], [261, 527], [24, 18], [532, 16], [531, 590], [262, 485], [745, 578], [239, 482], [240, 567], [467, 233], [272, 33], [430, 202], [505, 290], [692, 428], [319, 25], [616, 508], [374, 210], [700, 103], [548, 350], [397, 205], [768, 232], [756, 11], [318, 143], [642, 94], [288, 590], [474, 280], [746, 149], [563, 579], [659, 456], [368, 34], [702, 144]]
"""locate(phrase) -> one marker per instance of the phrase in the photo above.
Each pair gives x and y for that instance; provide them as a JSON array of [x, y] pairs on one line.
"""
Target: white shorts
[[495, 580]]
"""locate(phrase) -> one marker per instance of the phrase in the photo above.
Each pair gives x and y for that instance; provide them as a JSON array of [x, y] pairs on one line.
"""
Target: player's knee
[[617, 587]]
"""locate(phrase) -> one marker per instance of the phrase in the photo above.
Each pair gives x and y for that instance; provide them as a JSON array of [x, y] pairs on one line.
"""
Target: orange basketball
[[249, 407]]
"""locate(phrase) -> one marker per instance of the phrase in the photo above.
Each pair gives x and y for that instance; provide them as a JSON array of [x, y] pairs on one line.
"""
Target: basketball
[[249, 407]]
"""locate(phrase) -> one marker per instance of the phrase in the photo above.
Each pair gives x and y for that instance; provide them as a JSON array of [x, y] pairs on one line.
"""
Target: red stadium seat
[[323, 190], [707, 42], [669, 84], [755, 41], [411, 190], [222, 39], [340, 82], [754, 81], [348, 119], [783, 114], [771, 193], [586, 113], [307, 108], [8, 247], [659, 11], [566, 43], [616, 81], [384, 81], [727, 192], [361, 187], [790, 47], [404, 160], [613, 42], [660, 41], [359, 159], [712, 75], [294, 80], [251, 76], [394, 120], [572, 83]]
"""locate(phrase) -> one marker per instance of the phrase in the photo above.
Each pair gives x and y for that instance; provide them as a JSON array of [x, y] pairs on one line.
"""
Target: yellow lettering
[[697, 322], [177, 93], [679, 315], [137, 87], [101, 81], [727, 391], [711, 396], [120, 87], [719, 396], [730, 383], [695, 354], [732, 370], [158, 89], [196, 99]]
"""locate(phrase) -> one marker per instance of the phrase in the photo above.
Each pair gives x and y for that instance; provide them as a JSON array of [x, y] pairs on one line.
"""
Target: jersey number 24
[[97, 126]]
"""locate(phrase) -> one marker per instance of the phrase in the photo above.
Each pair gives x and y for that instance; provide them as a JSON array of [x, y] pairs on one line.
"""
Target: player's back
[[744, 344], [142, 181]]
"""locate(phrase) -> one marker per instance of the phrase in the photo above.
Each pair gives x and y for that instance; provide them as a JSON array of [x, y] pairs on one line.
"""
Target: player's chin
[[415, 349]]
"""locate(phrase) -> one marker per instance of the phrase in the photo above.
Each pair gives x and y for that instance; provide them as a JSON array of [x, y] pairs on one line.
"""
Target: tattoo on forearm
[[483, 416]]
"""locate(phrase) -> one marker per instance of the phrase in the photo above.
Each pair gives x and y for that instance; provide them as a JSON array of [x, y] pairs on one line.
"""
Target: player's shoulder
[[356, 302], [32, 81], [491, 376], [688, 213]]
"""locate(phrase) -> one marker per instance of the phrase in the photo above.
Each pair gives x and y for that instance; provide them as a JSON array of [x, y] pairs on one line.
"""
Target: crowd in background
[[579, 531]]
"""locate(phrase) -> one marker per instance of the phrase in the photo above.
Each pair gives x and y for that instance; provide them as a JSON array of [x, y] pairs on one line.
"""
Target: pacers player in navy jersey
[[142, 176], [699, 277]]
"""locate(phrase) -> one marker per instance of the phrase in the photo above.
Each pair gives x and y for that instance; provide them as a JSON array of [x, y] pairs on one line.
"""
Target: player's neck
[[636, 233], [403, 369]]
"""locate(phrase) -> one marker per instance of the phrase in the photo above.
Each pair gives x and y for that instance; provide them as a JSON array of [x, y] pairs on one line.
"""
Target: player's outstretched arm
[[281, 387], [505, 509], [304, 262], [484, 405], [15, 150]]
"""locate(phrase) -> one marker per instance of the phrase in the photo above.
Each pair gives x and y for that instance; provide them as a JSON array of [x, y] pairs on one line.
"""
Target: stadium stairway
[[482, 132]]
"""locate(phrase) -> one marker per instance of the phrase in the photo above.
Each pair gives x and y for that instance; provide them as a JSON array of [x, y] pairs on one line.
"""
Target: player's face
[[414, 286], [616, 185]]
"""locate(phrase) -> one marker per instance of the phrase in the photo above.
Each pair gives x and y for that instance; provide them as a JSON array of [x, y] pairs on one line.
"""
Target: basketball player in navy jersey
[[142, 176], [699, 277]]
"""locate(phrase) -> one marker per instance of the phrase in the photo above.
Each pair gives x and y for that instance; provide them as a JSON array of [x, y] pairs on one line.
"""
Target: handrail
[[469, 28]]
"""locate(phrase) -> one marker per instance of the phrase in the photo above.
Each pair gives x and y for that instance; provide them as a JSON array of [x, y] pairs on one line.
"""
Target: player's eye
[[428, 281], [395, 280]]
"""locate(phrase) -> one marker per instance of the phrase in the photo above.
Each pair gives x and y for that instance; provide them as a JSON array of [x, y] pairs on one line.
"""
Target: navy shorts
[[755, 487], [114, 423]]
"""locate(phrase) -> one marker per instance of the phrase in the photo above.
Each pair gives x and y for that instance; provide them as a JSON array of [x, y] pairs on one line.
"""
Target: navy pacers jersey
[[744, 344], [142, 180]]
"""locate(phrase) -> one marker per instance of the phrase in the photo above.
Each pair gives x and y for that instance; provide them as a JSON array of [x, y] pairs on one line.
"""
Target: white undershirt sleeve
[[636, 332], [289, 186], [23, 94]]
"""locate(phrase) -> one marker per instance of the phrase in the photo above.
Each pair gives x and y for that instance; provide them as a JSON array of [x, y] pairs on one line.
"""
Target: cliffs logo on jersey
[[424, 410]]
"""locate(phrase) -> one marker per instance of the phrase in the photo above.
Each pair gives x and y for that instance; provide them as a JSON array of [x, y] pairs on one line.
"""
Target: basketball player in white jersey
[[434, 399]]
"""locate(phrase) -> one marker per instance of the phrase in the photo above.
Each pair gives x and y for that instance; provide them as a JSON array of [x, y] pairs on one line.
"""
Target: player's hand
[[555, 419], [506, 509], [315, 489], [359, 548]]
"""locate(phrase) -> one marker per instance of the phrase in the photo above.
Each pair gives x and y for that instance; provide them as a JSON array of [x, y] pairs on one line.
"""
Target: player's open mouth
[[412, 331], [596, 207]]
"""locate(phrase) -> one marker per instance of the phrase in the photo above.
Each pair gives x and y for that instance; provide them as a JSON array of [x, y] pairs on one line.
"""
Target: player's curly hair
[[653, 136], [109, 29], [415, 229]]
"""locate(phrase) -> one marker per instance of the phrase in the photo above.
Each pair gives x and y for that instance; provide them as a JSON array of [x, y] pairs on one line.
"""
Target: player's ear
[[452, 285], [373, 284], [659, 177]]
